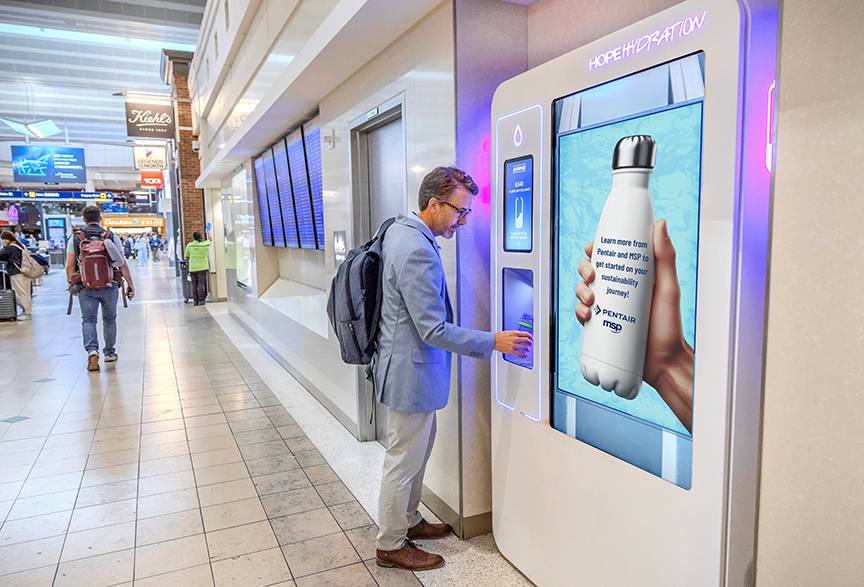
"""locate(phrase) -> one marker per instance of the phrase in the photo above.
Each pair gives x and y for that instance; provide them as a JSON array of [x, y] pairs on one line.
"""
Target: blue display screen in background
[[312, 142], [286, 196], [302, 200], [519, 204], [263, 205], [48, 164], [116, 207]]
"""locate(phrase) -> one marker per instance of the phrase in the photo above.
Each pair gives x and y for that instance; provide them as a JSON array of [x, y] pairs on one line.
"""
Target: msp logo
[[613, 326]]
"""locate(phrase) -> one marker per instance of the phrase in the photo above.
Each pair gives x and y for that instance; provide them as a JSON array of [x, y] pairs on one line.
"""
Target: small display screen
[[48, 164], [519, 309], [519, 204]]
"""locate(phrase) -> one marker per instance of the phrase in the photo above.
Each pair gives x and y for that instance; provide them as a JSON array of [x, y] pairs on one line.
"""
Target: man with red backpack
[[94, 266]]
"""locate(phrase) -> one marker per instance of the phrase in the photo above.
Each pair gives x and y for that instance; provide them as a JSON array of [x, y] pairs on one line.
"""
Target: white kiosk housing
[[660, 488]]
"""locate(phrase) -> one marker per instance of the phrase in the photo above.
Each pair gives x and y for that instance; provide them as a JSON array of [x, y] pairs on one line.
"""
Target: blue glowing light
[[539, 325]]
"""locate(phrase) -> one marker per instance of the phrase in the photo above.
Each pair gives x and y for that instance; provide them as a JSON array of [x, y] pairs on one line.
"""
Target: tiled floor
[[178, 465]]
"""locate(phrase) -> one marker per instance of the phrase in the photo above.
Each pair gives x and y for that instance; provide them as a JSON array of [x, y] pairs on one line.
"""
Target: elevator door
[[385, 161]]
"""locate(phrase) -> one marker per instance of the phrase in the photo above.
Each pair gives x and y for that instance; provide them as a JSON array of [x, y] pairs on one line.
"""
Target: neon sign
[[683, 28]]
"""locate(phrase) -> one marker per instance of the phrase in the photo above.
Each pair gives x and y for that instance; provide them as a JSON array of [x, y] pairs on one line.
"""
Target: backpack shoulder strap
[[383, 229]]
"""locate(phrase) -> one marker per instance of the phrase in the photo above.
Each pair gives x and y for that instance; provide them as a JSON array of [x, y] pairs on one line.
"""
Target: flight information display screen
[[263, 205], [300, 181], [286, 196], [273, 198], [312, 140]]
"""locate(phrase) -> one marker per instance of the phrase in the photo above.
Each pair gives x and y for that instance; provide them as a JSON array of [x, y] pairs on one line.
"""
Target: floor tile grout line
[[195, 478], [315, 487], [138, 476], [78, 494]]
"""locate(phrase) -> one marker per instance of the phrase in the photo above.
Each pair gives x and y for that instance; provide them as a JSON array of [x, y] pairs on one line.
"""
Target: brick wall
[[191, 198]]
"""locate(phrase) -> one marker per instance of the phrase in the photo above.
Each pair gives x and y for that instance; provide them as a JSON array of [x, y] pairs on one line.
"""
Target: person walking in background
[[90, 299], [199, 265], [12, 254], [127, 247], [142, 246], [155, 245]]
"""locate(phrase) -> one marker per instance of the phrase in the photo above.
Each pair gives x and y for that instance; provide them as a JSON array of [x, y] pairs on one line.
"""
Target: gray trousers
[[411, 438]]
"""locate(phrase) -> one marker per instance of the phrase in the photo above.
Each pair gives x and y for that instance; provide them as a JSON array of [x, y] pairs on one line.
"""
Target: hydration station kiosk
[[632, 184]]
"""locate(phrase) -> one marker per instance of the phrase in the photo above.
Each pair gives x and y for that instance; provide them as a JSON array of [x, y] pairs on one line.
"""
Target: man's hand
[[130, 290], [514, 342], [668, 358]]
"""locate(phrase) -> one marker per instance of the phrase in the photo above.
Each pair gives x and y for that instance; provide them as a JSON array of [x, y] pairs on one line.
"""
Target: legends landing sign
[[153, 121]]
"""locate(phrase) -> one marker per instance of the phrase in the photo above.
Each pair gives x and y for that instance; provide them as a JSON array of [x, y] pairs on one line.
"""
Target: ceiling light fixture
[[38, 129]]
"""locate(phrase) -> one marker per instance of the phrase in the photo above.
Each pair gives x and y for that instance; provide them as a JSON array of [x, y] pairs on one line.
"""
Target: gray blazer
[[417, 334]]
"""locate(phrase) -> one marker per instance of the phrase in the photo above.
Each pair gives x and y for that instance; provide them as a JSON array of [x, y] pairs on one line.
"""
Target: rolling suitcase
[[8, 309]]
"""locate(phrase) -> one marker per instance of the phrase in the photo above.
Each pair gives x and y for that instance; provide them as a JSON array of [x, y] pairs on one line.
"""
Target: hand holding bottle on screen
[[668, 358]]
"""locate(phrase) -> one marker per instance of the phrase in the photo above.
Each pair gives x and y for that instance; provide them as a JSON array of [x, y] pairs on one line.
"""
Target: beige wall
[[556, 27], [811, 517], [420, 64]]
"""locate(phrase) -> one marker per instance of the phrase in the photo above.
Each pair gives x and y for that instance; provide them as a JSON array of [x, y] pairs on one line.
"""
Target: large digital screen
[[519, 204], [312, 141], [286, 196], [302, 196], [48, 164], [625, 266], [263, 204]]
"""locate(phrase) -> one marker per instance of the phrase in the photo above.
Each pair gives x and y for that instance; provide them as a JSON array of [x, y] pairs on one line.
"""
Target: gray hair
[[441, 184]]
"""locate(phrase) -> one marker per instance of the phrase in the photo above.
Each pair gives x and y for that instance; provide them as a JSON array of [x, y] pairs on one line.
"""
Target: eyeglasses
[[463, 212]]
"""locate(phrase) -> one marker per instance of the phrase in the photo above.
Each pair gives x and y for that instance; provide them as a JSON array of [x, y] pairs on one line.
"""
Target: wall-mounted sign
[[12, 214], [340, 247], [150, 158], [6, 195], [682, 28], [151, 179], [48, 164], [134, 222], [154, 121]]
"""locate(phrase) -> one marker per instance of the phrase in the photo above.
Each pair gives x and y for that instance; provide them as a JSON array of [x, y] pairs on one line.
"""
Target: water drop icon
[[517, 136]]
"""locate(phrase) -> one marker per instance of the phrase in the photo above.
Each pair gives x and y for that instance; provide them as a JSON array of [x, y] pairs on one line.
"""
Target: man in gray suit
[[412, 368]]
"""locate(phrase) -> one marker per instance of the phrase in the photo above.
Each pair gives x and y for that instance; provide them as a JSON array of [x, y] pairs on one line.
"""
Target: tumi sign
[[152, 121], [151, 179]]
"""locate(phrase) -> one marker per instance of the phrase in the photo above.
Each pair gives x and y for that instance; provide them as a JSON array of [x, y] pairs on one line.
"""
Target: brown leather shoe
[[409, 558], [426, 531]]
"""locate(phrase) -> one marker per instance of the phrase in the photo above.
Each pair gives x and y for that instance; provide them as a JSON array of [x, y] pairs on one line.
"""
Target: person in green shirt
[[199, 265]]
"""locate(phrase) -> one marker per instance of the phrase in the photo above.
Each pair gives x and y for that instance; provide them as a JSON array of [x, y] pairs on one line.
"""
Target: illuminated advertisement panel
[[48, 165], [627, 193]]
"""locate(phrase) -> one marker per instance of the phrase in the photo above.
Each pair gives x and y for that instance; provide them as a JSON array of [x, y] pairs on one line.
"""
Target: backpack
[[29, 267], [354, 304], [94, 263]]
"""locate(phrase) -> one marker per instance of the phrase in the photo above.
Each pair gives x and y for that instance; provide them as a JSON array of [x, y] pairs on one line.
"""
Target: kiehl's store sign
[[154, 121]]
